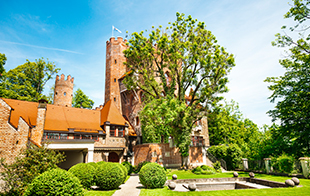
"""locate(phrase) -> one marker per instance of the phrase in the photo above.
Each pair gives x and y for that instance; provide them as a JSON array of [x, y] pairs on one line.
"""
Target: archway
[[113, 157]]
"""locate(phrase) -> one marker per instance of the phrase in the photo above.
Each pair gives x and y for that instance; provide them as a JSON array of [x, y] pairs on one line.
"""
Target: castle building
[[110, 132]]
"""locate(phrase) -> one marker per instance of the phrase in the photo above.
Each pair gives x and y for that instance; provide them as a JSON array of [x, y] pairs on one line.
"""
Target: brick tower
[[115, 69], [63, 91]]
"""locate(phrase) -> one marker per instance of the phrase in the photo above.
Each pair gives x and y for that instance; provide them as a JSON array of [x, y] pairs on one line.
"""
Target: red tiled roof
[[25, 109], [110, 113], [59, 118]]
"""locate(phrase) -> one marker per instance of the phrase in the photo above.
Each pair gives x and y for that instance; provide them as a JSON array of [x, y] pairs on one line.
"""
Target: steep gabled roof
[[110, 113], [25, 109]]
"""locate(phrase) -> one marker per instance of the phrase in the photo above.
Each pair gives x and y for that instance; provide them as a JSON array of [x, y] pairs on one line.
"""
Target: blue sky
[[73, 34]]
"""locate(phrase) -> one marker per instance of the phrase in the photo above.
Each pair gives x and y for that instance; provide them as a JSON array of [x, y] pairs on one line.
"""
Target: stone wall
[[12, 140]]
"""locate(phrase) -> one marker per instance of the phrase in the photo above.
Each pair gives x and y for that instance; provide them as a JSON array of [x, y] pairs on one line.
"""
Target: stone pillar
[[90, 157], [245, 164], [106, 154], [133, 159], [267, 165], [305, 164]]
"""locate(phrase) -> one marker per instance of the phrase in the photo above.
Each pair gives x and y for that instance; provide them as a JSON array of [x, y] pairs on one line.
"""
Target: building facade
[[110, 132]]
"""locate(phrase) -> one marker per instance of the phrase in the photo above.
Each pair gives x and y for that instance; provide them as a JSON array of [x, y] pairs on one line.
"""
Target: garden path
[[131, 187]]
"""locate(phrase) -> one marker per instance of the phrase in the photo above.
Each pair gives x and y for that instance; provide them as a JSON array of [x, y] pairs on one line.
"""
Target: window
[[167, 78], [114, 99], [112, 131], [65, 93], [55, 136], [114, 79], [197, 141], [115, 61], [121, 132], [137, 121], [167, 154]]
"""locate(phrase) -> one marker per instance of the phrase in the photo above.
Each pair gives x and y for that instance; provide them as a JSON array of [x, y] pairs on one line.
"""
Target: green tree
[[26, 82], [80, 100], [2, 62], [292, 90], [227, 125], [32, 162], [169, 62]]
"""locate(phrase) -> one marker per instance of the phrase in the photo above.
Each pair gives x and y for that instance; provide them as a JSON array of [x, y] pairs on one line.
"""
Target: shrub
[[233, 157], [125, 171], [217, 166], [109, 176], [55, 182], [197, 169], [204, 169], [220, 152], [93, 164], [85, 173], [31, 162], [152, 175], [139, 166], [101, 162], [283, 164], [128, 166]]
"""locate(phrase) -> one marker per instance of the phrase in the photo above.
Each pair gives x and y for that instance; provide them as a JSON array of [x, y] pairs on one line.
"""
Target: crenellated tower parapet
[[63, 92], [115, 69]]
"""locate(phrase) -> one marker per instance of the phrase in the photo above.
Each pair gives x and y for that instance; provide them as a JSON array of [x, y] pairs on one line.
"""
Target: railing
[[214, 159]]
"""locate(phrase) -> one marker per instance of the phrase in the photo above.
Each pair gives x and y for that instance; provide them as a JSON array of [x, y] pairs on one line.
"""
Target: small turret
[[63, 91]]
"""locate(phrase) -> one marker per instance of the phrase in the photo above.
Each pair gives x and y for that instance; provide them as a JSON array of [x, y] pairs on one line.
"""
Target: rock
[[172, 185], [252, 175], [192, 187], [289, 183], [236, 174], [174, 177], [296, 181]]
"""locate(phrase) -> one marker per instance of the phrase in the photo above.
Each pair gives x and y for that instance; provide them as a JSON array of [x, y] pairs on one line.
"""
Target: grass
[[297, 191], [99, 193]]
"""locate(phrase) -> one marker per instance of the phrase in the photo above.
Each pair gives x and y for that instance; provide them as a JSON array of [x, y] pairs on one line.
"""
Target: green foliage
[[139, 166], [125, 171], [109, 175], [2, 63], [217, 166], [128, 166], [80, 100], [232, 154], [85, 173], [283, 164], [32, 162], [27, 81], [204, 169], [165, 65], [152, 176], [55, 182], [292, 89], [227, 125]]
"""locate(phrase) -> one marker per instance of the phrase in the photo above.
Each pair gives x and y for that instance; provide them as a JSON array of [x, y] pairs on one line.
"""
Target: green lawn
[[298, 191], [99, 193]]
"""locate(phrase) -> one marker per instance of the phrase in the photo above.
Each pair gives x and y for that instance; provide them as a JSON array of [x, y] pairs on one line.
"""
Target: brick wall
[[165, 155], [12, 140]]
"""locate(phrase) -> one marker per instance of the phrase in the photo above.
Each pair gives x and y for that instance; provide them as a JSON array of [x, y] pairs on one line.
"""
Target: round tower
[[63, 91]]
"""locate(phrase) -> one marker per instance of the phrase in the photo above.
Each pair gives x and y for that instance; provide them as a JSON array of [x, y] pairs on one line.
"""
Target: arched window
[[167, 77]]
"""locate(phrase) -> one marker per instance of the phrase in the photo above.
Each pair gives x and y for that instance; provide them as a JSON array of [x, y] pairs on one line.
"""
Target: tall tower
[[115, 69], [63, 91]]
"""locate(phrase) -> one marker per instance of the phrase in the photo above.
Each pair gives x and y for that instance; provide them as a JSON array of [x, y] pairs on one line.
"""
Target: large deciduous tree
[[80, 100], [292, 90], [2, 62], [26, 82], [169, 62]]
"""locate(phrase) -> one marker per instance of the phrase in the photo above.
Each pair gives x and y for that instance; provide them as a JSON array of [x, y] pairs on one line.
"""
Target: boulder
[[252, 175], [236, 174], [296, 181], [172, 185], [192, 187], [289, 183], [174, 177]]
